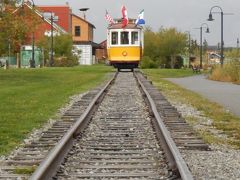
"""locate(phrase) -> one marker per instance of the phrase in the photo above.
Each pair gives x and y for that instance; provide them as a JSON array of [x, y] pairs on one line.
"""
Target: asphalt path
[[225, 94]]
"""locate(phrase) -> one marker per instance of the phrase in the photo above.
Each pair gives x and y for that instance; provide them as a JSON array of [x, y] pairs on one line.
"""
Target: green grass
[[29, 97], [223, 120], [26, 170], [169, 73]]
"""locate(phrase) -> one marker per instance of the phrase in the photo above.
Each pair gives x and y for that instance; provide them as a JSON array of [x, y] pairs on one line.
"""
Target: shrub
[[233, 69], [65, 62], [148, 63], [229, 73]]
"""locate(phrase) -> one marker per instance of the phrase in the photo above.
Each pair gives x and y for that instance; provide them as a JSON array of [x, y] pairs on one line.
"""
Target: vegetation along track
[[118, 143]]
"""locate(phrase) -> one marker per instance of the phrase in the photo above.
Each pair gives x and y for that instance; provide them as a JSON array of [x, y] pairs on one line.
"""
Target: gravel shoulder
[[222, 162]]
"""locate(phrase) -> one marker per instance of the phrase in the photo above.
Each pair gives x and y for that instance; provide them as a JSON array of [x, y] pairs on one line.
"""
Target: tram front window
[[124, 38], [134, 37], [114, 38]]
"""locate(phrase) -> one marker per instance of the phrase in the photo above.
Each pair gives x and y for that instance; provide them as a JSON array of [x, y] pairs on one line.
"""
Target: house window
[[114, 38], [124, 37], [77, 31]]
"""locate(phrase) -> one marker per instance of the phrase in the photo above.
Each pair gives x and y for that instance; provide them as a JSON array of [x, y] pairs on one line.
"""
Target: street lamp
[[33, 41], [84, 10], [211, 19], [207, 31]]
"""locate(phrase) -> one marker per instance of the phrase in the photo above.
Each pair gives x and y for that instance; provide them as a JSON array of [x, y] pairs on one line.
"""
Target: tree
[[164, 46], [17, 26], [63, 46], [194, 47], [151, 44], [173, 43]]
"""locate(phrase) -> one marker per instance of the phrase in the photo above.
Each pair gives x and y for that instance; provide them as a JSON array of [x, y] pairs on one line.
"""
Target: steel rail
[[176, 162], [48, 167]]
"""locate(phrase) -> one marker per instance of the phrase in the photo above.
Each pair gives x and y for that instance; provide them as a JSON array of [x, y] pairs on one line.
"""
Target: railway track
[[119, 142], [21, 164]]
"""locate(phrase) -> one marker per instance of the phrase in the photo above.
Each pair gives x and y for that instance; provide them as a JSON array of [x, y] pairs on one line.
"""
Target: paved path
[[225, 94]]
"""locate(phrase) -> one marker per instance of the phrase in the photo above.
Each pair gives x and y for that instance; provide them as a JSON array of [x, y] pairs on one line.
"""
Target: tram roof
[[119, 26]]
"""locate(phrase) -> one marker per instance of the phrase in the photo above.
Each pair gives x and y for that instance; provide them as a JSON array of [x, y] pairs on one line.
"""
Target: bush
[[229, 73], [148, 63], [65, 62]]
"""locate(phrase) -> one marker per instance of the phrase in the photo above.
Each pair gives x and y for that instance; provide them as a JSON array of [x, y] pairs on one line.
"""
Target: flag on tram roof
[[125, 17], [140, 19], [109, 18]]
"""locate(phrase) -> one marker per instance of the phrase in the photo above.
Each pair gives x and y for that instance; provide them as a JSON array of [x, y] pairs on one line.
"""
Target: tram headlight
[[124, 53]]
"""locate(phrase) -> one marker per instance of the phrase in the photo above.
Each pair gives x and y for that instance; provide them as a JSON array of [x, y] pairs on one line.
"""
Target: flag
[[125, 17], [140, 19], [109, 18]]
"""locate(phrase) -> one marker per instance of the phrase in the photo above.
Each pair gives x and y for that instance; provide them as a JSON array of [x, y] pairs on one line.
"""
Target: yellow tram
[[125, 46]]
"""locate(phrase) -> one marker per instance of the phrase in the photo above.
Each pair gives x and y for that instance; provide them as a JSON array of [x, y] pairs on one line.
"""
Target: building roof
[[87, 43], [39, 13], [83, 20]]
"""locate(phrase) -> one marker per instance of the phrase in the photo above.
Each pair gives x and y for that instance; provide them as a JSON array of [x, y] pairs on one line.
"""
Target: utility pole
[[52, 19], [51, 58]]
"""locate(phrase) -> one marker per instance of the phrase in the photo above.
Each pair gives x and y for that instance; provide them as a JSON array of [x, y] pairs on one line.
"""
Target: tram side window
[[135, 38], [124, 38], [114, 38]]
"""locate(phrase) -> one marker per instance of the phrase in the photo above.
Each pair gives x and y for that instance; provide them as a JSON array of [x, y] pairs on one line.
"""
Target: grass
[[29, 97], [169, 73], [26, 170], [223, 120], [230, 72]]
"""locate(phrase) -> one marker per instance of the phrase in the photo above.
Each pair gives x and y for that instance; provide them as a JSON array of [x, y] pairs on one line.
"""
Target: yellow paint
[[124, 53]]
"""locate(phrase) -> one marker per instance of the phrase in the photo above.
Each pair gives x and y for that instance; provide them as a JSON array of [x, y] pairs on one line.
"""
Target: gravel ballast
[[222, 162]]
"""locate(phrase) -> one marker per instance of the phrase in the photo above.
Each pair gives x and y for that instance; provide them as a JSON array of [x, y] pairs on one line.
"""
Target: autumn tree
[[17, 25]]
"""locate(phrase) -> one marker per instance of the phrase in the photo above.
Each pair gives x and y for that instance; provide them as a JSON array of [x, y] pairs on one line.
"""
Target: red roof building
[[62, 14], [44, 24]]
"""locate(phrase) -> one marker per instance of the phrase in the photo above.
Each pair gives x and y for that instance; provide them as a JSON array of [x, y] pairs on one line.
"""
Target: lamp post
[[33, 42], [210, 18], [201, 49], [189, 47], [237, 46]]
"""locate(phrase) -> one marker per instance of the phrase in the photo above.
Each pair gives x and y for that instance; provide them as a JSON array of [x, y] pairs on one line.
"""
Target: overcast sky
[[185, 15]]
